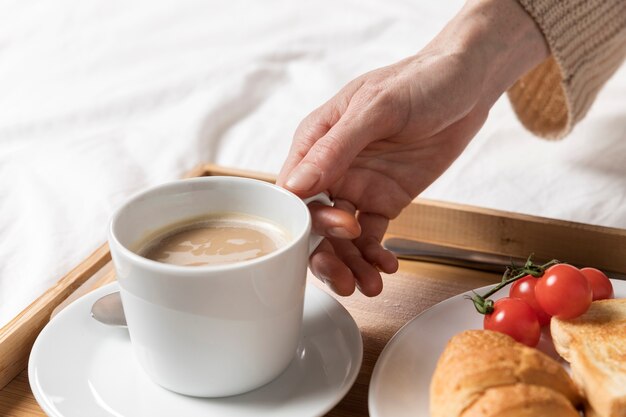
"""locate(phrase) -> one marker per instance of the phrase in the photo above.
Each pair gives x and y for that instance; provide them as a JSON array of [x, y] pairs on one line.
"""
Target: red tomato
[[524, 289], [600, 284], [563, 291], [516, 318]]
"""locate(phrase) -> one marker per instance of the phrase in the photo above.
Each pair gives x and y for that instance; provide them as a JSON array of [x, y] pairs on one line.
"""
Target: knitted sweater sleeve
[[587, 40]]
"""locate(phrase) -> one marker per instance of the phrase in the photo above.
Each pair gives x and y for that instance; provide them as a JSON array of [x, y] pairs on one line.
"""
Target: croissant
[[484, 373]]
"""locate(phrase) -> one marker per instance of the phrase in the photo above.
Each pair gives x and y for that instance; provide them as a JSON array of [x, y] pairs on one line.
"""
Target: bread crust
[[521, 400]]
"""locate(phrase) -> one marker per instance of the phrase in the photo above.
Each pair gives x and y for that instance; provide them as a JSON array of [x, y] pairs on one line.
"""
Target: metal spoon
[[109, 310]]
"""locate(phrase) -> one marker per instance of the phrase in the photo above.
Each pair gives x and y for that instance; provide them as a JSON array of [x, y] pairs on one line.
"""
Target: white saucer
[[79, 367], [401, 379]]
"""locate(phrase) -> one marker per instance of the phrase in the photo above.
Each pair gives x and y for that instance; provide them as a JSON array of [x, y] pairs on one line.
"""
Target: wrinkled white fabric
[[99, 99]]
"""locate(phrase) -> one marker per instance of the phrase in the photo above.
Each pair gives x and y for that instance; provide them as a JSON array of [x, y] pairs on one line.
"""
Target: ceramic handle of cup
[[315, 240]]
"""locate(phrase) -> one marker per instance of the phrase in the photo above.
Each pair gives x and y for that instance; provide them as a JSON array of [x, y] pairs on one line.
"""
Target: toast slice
[[476, 361], [595, 346]]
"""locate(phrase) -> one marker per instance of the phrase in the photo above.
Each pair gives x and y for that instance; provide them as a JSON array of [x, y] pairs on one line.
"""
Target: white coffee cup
[[216, 330]]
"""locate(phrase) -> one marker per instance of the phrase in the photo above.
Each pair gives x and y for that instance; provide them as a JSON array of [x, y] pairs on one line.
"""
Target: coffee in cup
[[215, 239]]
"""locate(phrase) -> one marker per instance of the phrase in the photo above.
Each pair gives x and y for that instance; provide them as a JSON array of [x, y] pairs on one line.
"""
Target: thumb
[[329, 158]]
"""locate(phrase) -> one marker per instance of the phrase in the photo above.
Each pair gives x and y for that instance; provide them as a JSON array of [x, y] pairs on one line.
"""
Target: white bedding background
[[99, 99]]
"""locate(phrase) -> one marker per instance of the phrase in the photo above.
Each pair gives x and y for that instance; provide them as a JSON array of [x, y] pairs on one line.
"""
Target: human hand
[[388, 134]]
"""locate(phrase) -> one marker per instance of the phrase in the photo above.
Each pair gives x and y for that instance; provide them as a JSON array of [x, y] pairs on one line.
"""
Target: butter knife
[[482, 261], [430, 252]]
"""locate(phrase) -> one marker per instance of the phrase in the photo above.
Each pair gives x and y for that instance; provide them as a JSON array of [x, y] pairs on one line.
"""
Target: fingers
[[373, 228], [338, 221], [374, 253], [328, 140], [340, 264], [343, 263], [365, 256], [312, 127], [366, 276], [325, 265], [315, 126], [327, 160]]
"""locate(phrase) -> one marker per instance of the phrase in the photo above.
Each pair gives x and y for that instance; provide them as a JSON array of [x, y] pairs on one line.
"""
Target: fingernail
[[326, 279], [303, 178], [340, 232], [329, 284]]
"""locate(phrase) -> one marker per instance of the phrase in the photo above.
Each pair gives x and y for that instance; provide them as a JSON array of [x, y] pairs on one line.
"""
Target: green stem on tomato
[[484, 305]]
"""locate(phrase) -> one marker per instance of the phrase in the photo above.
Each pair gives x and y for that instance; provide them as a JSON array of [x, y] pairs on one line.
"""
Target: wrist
[[499, 39]]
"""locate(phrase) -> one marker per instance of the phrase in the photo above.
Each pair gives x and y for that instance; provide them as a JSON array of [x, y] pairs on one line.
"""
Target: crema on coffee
[[217, 239]]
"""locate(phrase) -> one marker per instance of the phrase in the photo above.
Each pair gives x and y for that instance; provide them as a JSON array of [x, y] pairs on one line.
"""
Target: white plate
[[401, 379], [79, 367]]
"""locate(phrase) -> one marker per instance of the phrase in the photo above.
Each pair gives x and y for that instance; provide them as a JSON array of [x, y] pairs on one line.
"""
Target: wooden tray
[[415, 287]]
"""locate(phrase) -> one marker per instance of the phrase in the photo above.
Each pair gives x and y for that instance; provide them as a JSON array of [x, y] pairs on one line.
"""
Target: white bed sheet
[[99, 99]]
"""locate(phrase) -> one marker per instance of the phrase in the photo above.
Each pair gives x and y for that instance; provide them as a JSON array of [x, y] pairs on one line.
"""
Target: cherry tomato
[[563, 291], [524, 289], [600, 284], [516, 318]]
